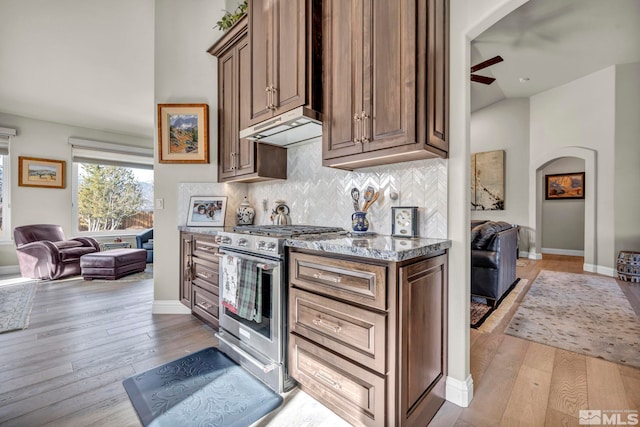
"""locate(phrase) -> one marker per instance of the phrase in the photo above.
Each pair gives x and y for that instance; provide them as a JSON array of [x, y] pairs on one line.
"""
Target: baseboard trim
[[605, 271], [9, 269], [569, 252], [169, 307], [533, 255], [459, 392]]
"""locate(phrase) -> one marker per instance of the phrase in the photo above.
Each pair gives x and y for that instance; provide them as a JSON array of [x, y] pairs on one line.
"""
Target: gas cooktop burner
[[286, 230]]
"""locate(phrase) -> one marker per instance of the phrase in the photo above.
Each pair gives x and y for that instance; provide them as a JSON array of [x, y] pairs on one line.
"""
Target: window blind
[[4, 148], [105, 153]]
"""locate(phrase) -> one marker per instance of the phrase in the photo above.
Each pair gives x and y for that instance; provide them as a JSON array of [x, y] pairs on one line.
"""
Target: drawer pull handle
[[206, 276], [204, 305], [334, 279], [321, 376], [206, 248], [323, 323]]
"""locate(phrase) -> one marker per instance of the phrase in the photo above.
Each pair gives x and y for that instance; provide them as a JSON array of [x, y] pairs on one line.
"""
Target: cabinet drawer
[[205, 247], [350, 331], [354, 393], [348, 280], [205, 275], [205, 306]]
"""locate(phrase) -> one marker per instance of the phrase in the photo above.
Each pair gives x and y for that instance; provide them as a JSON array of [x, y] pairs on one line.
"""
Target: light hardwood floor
[[522, 383], [84, 338]]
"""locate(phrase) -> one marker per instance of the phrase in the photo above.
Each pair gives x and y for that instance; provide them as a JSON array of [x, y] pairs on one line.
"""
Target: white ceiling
[[553, 42], [89, 63]]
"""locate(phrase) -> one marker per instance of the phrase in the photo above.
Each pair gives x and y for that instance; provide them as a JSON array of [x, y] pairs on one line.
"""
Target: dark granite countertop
[[385, 248]]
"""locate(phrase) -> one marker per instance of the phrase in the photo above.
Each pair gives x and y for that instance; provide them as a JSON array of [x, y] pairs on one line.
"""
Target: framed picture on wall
[[183, 133], [45, 173], [564, 186]]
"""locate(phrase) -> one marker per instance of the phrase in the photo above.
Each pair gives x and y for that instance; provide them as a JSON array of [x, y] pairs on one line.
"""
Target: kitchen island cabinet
[[368, 338], [240, 159], [385, 82]]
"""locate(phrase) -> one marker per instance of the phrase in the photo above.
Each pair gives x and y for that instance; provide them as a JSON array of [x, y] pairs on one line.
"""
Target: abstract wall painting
[[487, 181]]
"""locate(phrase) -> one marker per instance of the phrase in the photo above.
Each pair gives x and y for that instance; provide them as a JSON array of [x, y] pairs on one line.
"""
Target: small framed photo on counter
[[404, 221]]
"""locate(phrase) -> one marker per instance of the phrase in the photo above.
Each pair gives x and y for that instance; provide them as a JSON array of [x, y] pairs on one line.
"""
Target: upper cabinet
[[240, 159], [285, 42], [385, 81]]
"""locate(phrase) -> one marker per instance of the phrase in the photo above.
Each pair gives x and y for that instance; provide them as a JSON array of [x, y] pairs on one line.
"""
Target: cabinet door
[[289, 47], [389, 77], [342, 76], [246, 151], [260, 34], [438, 74], [423, 342], [186, 268], [227, 100]]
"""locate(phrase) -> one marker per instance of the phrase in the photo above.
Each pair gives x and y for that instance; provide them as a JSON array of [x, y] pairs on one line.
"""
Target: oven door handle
[[265, 368], [264, 266]]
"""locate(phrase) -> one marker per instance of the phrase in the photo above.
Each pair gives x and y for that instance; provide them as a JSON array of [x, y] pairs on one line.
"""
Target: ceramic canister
[[245, 213]]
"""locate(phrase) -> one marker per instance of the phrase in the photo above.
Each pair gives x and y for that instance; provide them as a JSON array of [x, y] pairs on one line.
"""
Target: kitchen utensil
[[368, 194], [355, 196], [282, 214], [367, 205]]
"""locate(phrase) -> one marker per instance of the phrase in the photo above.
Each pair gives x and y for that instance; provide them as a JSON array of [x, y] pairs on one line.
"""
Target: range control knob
[[225, 239], [243, 242], [271, 246], [261, 245]]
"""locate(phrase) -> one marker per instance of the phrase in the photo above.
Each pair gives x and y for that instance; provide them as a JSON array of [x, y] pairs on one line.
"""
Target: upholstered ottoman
[[113, 264]]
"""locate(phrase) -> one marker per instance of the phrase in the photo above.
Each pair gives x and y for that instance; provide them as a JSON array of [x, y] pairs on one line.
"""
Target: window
[[5, 225], [5, 184], [113, 188]]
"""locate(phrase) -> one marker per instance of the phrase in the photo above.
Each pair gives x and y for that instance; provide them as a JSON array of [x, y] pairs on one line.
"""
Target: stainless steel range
[[260, 347]]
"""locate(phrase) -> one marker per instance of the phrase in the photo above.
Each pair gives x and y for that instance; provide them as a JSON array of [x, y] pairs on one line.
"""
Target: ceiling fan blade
[[482, 79], [487, 63]]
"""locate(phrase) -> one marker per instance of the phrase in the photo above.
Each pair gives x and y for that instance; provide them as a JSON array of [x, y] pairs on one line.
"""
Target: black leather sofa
[[493, 259]]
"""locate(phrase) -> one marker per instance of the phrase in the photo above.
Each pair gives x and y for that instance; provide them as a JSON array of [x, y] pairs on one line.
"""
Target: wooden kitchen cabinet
[[285, 41], [240, 159], [385, 82], [368, 338], [199, 277]]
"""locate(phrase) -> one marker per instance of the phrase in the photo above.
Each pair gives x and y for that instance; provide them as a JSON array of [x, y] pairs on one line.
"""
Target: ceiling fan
[[483, 79]]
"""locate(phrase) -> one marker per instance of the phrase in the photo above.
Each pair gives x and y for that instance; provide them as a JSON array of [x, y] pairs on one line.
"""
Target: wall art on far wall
[[36, 172], [564, 186], [206, 211], [183, 133], [487, 181]]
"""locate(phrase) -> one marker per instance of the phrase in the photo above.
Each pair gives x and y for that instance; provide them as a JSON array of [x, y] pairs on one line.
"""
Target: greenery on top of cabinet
[[230, 18]]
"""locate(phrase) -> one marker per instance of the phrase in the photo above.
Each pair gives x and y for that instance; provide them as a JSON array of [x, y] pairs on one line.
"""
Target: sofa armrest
[[42, 249], [485, 259], [88, 241]]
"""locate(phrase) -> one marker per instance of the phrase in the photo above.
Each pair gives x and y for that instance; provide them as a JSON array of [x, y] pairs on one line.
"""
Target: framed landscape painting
[[565, 186], [206, 211], [36, 172], [183, 133]]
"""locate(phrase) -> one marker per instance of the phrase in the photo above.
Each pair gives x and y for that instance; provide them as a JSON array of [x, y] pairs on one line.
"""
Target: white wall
[[563, 219], [505, 126], [627, 158], [582, 114], [184, 73], [37, 138]]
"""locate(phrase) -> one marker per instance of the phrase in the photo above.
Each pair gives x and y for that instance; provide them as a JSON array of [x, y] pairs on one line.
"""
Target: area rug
[[586, 314], [481, 312], [16, 302], [205, 388]]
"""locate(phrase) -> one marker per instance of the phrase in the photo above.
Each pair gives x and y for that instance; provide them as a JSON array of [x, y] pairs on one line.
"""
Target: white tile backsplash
[[319, 195]]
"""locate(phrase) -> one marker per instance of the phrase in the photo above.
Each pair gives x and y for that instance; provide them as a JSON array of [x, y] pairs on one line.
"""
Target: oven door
[[266, 336]]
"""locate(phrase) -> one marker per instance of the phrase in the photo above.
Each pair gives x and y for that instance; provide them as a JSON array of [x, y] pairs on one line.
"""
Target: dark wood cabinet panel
[[283, 56], [199, 275], [423, 328], [343, 352], [238, 158], [386, 94]]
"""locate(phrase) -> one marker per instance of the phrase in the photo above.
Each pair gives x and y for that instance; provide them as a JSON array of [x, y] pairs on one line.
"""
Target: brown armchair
[[44, 253]]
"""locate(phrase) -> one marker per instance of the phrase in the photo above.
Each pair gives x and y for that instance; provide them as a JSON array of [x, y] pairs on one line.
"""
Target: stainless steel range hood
[[293, 127]]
